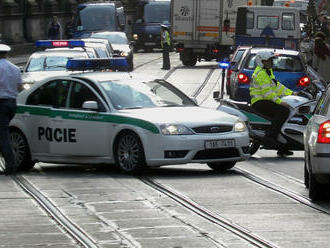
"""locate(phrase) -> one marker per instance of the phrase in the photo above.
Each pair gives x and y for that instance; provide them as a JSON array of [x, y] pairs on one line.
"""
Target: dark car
[[120, 45], [288, 69], [234, 59]]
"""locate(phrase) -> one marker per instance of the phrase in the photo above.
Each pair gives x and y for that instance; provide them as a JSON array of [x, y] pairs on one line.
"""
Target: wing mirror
[[91, 105]]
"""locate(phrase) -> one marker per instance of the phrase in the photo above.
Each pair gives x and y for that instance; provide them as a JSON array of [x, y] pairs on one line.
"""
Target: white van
[[268, 26]]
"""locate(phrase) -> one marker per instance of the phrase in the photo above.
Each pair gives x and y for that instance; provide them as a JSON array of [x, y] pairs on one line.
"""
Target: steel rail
[[64, 222], [202, 86], [292, 195], [216, 219]]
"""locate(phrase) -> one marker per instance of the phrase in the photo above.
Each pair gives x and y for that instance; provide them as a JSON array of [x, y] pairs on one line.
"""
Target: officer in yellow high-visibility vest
[[165, 42], [266, 93]]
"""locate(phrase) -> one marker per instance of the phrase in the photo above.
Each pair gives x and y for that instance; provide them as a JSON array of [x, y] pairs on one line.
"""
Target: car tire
[[315, 188], [221, 166], [129, 153], [253, 147], [306, 174], [21, 150]]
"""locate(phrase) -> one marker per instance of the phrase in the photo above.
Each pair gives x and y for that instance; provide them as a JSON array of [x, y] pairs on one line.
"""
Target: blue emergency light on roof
[[96, 64], [59, 43]]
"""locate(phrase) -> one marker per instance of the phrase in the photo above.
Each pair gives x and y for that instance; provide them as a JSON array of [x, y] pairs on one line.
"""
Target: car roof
[[278, 51]]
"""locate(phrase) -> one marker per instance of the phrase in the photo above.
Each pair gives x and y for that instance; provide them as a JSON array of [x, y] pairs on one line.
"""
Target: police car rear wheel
[[129, 153], [21, 150], [221, 166]]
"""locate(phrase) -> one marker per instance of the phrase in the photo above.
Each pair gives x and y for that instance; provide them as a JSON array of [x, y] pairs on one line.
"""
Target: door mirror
[[91, 105]]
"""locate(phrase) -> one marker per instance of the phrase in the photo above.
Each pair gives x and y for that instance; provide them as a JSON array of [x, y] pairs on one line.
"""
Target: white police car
[[52, 61], [128, 119]]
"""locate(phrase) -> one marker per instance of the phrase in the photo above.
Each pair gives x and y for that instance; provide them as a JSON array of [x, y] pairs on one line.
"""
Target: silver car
[[317, 148]]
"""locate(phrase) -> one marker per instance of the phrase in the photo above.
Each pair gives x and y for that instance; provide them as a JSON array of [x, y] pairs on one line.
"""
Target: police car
[[52, 60], [131, 120]]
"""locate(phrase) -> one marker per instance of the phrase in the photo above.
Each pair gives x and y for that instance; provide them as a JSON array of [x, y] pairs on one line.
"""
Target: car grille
[[217, 153], [213, 129]]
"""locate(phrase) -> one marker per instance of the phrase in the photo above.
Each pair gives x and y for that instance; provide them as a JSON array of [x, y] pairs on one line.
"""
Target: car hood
[[190, 116], [32, 77], [121, 47]]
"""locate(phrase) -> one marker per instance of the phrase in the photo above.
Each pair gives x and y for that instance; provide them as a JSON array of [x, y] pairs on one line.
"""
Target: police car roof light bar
[[59, 43], [96, 64]]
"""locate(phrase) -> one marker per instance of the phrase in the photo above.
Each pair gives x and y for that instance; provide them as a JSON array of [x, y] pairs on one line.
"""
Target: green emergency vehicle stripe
[[71, 115], [253, 118]]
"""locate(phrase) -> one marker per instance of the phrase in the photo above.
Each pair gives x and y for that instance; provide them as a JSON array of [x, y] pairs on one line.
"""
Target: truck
[[268, 26], [204, 29], [97, 16], [150, 14]]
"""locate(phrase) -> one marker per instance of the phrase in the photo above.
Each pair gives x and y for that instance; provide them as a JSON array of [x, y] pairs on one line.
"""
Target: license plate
[[150, 43], [214, 144]]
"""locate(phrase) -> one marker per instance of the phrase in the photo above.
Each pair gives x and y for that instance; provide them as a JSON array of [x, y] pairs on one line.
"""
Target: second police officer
[[165, 42]]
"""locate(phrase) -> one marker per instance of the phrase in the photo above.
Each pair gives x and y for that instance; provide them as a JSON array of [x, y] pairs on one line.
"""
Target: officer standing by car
[[165, 43], [10, 84], [266, 93]]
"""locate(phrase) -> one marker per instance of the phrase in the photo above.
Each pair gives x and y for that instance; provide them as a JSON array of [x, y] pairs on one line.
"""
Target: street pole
[[223, 65]]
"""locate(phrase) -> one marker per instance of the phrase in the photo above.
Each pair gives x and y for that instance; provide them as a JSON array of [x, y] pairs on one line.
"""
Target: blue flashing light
[[224, 64], [59, 43], [97, 64]]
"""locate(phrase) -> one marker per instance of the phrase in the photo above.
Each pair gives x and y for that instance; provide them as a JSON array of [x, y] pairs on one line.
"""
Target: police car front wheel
[[21, 150], [129, 153]]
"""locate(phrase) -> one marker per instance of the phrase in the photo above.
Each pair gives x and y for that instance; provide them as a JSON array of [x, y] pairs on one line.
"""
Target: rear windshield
[[280, 63]]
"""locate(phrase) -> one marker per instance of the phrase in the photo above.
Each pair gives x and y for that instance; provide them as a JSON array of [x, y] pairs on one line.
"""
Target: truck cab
[[98, 16], [146, 30]]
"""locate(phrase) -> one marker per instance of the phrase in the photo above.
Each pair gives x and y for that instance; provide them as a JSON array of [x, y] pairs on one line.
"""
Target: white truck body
[[204, 29]]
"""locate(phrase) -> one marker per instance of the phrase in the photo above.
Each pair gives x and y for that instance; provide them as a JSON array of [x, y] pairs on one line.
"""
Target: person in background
[[165, 42], [54, 29], [321, 50], [69, 28], [10, 85]]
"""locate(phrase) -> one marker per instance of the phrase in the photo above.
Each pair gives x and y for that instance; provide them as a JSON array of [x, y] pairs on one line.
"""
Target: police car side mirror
[[91, 105]]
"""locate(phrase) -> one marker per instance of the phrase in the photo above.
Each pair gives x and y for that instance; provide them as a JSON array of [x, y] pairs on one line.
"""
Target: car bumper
[[320, 159], [182, 149]]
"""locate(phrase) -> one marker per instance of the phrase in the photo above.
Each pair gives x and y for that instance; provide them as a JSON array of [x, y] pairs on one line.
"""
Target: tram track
[[208, 215]]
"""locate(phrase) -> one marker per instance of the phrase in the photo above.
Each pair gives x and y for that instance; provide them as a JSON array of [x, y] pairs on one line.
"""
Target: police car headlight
[[240, 126], [174, 129], [124, 54], [135, 36], [26, 86]]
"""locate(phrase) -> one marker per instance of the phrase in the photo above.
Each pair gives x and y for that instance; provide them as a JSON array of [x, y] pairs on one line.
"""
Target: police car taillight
[[304, 81], [324, 133], [59, 43], [242, 78], [97, 64]]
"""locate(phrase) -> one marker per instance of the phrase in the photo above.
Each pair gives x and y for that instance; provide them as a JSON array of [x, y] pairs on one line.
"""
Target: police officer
[[266, 93], [10, 84], [165, 43]]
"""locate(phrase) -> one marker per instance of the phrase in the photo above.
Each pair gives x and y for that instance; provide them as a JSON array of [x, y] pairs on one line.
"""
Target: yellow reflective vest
[[264, 88], [165, 38]]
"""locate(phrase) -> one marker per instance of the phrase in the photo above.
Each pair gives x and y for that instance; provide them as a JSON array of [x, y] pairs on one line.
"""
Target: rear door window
[[264, 21]]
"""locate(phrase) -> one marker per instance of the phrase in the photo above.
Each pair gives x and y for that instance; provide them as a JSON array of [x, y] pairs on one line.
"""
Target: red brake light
[[179, 49], [242, 78], [324, 133], [215, 50], [304, 81]]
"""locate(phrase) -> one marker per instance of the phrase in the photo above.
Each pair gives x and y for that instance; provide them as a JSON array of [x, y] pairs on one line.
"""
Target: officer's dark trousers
[[7, 112], [276, 113], [166, 57]]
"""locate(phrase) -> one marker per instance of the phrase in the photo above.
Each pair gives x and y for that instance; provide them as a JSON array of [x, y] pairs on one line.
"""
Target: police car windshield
[[49, 63], [152, 94], [283, 63]]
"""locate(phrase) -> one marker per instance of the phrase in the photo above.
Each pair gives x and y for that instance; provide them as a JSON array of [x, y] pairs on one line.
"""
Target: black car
[[120, 44]]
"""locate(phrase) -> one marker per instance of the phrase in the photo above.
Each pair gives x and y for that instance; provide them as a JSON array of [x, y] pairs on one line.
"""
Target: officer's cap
[[4, 48], [164, 26]]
